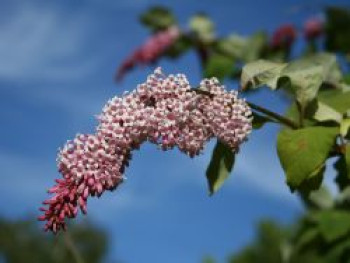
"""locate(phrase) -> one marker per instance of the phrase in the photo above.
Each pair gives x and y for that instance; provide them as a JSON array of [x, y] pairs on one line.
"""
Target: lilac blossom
[[165, 111]]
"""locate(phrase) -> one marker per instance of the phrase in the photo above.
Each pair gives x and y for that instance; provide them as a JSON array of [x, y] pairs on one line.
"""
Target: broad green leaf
[[310, 185], [305, 79], [336, 99], [203, 27], [261, 72], [344, 127], [305, 75], [220, 166], [326, 113], [158, 18], [218, 66], [331, 69], [260, 120], [333, 224], [293, 114], [303, 152]]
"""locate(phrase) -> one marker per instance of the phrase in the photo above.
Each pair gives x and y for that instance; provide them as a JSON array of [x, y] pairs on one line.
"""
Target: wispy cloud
[[40, 43]]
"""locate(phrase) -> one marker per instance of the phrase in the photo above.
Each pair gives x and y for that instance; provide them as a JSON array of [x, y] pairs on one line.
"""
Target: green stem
[[301, 110], [276, 116]]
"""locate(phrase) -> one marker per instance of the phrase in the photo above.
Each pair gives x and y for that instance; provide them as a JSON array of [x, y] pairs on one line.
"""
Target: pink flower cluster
[[313, 28], [165, 111], [284, 36], [150, 51]]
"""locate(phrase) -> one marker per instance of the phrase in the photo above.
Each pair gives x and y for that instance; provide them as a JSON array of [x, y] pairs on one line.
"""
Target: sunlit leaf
[[260, 73], [320, 199], [233, 46], [336, 99], [306, 79], [218, 66], [326, 113], [303, 152], [203, 27], [344, 127]]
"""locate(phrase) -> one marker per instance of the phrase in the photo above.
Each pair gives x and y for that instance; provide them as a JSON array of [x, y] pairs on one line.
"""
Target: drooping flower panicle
[[165, 111], [150, 51]]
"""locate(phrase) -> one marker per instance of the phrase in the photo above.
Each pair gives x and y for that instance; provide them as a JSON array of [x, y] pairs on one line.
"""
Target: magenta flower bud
[[313, 28], [284, 36], [150, 51]]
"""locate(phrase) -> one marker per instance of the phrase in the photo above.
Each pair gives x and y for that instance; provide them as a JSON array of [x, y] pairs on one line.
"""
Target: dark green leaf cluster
[[23, 241]]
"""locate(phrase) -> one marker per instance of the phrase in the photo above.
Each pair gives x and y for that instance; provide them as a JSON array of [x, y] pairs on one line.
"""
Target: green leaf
[[242, 48], [303, 152], [158, 18], [306, 79], [328, 61], [232, 46], [333, 224], [338, 251], [260, 73], [254, 47], [203, 27], [260, 120], [310, 185], [344, 127], [218, 66], [326, 113], [305, 75], [220, 166], [346, 78], [307, 237], [336, 99], [321, 199], [179, 47]]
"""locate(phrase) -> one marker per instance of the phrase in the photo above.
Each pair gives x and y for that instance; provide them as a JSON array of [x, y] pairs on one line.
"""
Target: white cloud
[[42, 43]]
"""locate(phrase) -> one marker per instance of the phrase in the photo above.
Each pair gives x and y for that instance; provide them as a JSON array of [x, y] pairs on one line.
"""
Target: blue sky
[[57, 61]]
